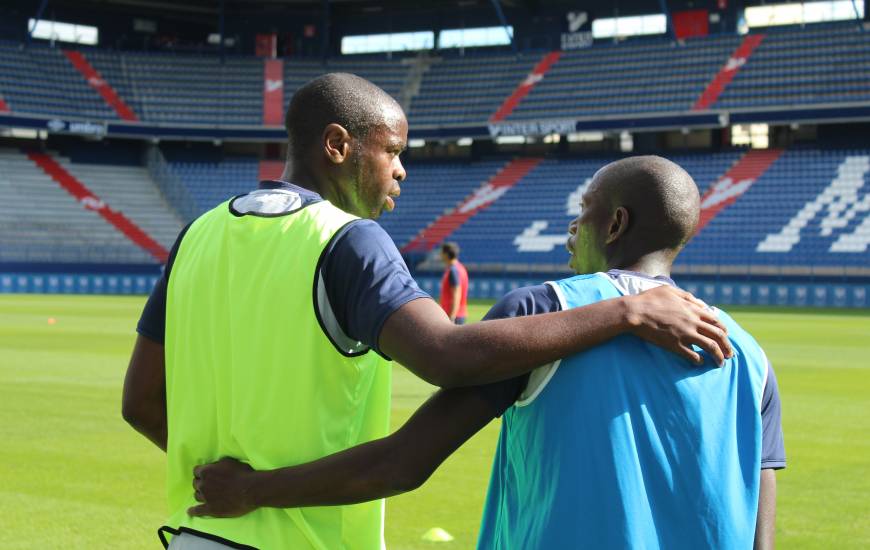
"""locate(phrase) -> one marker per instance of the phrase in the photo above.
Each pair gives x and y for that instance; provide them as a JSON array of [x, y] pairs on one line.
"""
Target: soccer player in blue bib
[[625, 445]]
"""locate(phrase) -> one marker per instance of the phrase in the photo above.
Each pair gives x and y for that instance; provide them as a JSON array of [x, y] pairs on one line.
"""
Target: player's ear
[[336, 143], [618, 225]]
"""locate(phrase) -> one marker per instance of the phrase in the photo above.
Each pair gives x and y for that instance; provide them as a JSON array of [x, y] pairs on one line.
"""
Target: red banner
[[271, 170], [267, 45], [90, 201], [102, 87], [521, 91], [736, 181], [437, 231], [4, 108], [691, 23], [273, 92], [726, 74]]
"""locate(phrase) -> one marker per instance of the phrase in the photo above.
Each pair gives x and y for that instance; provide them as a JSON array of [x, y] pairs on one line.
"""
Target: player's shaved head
[[637, 213], [661, 198], [337, 98]]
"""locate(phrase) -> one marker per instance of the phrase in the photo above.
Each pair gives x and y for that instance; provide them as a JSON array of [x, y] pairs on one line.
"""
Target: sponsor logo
[[723, 190], [576, 19], [540, 128], [56, 125], [83, 128], [92, 203], [734, 63], [273, 85], [576, 40], [87, 128], [532, 79]]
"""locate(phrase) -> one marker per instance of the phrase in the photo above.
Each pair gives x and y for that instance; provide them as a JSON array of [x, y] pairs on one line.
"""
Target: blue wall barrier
[[76, 283], [846, 295]]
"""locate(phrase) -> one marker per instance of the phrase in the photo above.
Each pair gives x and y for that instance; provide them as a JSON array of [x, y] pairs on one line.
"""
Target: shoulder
[[737, 332], [364, 239], [527, 300]]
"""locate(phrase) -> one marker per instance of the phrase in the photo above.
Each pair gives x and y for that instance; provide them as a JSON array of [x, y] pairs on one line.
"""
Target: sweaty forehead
[[393, 130], [394, 121], [384, 137]]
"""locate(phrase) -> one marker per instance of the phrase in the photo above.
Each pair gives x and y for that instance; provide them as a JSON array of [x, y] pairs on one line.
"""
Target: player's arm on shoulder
[[772, 459], [421, 337], [385, 467], [144, 398]]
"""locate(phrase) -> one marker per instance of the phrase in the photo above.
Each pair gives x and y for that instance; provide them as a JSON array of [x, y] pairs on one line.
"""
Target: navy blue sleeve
[[453, 278], [772, 444], [366, 280], [152, 322], [530, 300]]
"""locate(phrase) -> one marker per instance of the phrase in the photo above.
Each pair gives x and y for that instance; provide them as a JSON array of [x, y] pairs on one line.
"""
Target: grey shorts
[[187, 541]]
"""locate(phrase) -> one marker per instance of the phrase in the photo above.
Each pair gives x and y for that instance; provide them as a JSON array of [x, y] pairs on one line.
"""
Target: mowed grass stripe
[[73, 475]]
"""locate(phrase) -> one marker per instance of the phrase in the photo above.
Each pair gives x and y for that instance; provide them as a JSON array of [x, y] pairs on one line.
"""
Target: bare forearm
[[352, 476], [381, 468], [419, 336], [501, 349], [457, 296], [765, 525]]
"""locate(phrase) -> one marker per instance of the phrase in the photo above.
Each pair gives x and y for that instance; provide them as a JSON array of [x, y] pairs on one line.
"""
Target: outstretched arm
[[419, 336], [385, 467]]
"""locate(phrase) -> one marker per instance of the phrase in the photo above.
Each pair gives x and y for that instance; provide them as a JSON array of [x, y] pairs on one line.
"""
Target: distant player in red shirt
[[454, 284]]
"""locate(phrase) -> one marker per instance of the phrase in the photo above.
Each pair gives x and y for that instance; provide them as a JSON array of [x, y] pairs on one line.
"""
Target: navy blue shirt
[[365, 277], [533, 300]]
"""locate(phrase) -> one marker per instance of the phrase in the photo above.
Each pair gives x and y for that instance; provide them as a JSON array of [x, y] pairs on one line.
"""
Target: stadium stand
[[435, 189], [649, 76], [467, 90], [487, 194], [43, 222], [40, 80], [798, 213], [96, 81], [390, 75], [528, 225], [186, 88], [129, 189], [825, 65], [212, 182], [810, 207]]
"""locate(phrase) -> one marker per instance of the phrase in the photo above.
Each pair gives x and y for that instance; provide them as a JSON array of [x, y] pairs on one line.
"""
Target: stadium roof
[[212, 7]]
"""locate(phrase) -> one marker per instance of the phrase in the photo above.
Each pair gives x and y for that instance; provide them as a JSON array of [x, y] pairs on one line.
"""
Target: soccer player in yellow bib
[[269, 335]]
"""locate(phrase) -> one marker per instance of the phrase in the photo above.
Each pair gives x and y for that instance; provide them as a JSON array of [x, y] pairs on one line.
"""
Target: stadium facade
[[108, 149]]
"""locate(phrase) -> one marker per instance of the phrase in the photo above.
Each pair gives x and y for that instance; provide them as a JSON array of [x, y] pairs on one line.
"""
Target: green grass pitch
[[73, 475]]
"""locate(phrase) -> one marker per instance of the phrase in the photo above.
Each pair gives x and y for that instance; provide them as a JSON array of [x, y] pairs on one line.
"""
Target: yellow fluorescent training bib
[[257, 370]]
